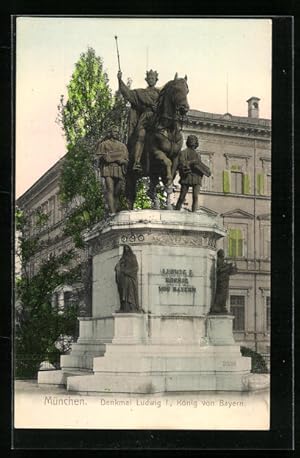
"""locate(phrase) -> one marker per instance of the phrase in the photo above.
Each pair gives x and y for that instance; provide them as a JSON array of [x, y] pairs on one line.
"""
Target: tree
[[257, 361], [118, 115], [88, 113], [40, 322], [89, 100]]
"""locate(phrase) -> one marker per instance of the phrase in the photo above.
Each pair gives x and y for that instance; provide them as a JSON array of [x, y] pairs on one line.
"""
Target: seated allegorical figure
[[224, 270], [126, 278]]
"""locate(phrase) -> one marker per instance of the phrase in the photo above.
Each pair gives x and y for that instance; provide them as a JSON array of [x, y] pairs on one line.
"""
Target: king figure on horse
[[154, 133]]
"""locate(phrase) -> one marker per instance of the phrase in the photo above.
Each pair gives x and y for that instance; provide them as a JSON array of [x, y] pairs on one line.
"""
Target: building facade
[[238, 151]]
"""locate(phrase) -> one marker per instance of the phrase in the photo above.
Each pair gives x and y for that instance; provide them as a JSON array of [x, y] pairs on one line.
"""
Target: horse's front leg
[[160, 156], [152, 192], [169, 191], [131, 180], [174, 166]]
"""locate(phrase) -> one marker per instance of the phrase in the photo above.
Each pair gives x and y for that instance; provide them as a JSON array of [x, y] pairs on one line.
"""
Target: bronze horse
[[163, 142]]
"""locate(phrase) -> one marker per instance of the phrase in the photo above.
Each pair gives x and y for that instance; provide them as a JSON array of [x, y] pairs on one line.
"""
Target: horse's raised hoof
[[137, 167]]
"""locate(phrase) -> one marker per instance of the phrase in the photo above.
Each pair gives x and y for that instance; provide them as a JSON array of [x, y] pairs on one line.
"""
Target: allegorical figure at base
[[224, 270], [191, 170], [126, 278], [112, 158], [143, 105]]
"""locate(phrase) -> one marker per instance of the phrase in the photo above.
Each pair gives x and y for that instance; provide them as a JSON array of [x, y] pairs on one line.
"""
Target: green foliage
[[90, 109], [80, 191], [142, 200], [28, 246], [39, 323], [85, 118], [258, 363], [89, 100], [118, 115]]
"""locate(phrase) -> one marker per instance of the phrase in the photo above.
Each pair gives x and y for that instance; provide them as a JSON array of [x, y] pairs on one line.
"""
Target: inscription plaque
[[177, 281]]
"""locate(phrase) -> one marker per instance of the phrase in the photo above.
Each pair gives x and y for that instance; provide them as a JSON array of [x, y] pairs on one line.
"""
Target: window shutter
[[235, 243], [230, 244], [260, 184], [226, 181], [246, 183]]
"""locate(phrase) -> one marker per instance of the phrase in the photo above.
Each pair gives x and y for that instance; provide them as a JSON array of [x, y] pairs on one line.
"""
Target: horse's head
[[180, 92], [173, 98]]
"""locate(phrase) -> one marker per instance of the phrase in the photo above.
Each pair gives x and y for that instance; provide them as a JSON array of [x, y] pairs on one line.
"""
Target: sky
[[211, 52]]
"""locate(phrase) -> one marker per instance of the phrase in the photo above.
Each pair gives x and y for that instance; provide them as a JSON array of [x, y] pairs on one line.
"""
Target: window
[[68, 298], [268, 248], [268, 313], [52, 211], [207, 181], [268, 184], [44, 208], [235, 243], [32, 224], [237, 308], [236, 178], [265, 236], [55, 299], [58, 209], [236, 182]]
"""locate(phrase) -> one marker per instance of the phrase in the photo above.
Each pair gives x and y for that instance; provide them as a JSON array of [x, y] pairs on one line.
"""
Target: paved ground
[[32, 387], [47, 406]]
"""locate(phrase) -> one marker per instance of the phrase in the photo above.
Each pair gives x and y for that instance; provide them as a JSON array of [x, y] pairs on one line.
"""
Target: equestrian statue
[[155, 137]]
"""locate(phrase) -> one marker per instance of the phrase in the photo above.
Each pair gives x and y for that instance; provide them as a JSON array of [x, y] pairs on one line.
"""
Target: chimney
[[253, 107]]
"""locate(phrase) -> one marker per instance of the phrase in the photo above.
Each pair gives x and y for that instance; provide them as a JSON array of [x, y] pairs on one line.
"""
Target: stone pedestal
[[219, 329], [176, 253], [175, 345], [134, 364], [130, 328]]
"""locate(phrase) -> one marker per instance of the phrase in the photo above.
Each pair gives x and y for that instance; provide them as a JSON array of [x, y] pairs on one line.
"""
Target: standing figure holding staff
[[143, 105]]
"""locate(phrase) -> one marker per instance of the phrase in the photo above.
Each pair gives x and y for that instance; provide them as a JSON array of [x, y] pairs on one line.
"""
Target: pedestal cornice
[[154, 227]]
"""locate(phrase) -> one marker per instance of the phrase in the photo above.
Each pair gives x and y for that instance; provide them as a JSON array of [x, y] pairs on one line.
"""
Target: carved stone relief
[[174, 238]]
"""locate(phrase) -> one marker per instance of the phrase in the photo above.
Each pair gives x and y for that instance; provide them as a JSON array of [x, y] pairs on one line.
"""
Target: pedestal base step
[[158, 368], [159, 383], [59, 377], [82, 356]]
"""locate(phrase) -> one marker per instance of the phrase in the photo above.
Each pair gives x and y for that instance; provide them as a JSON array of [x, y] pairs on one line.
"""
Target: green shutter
[[235, 243], [260, 184], [246, 183], [230, 243], [226, 181]]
